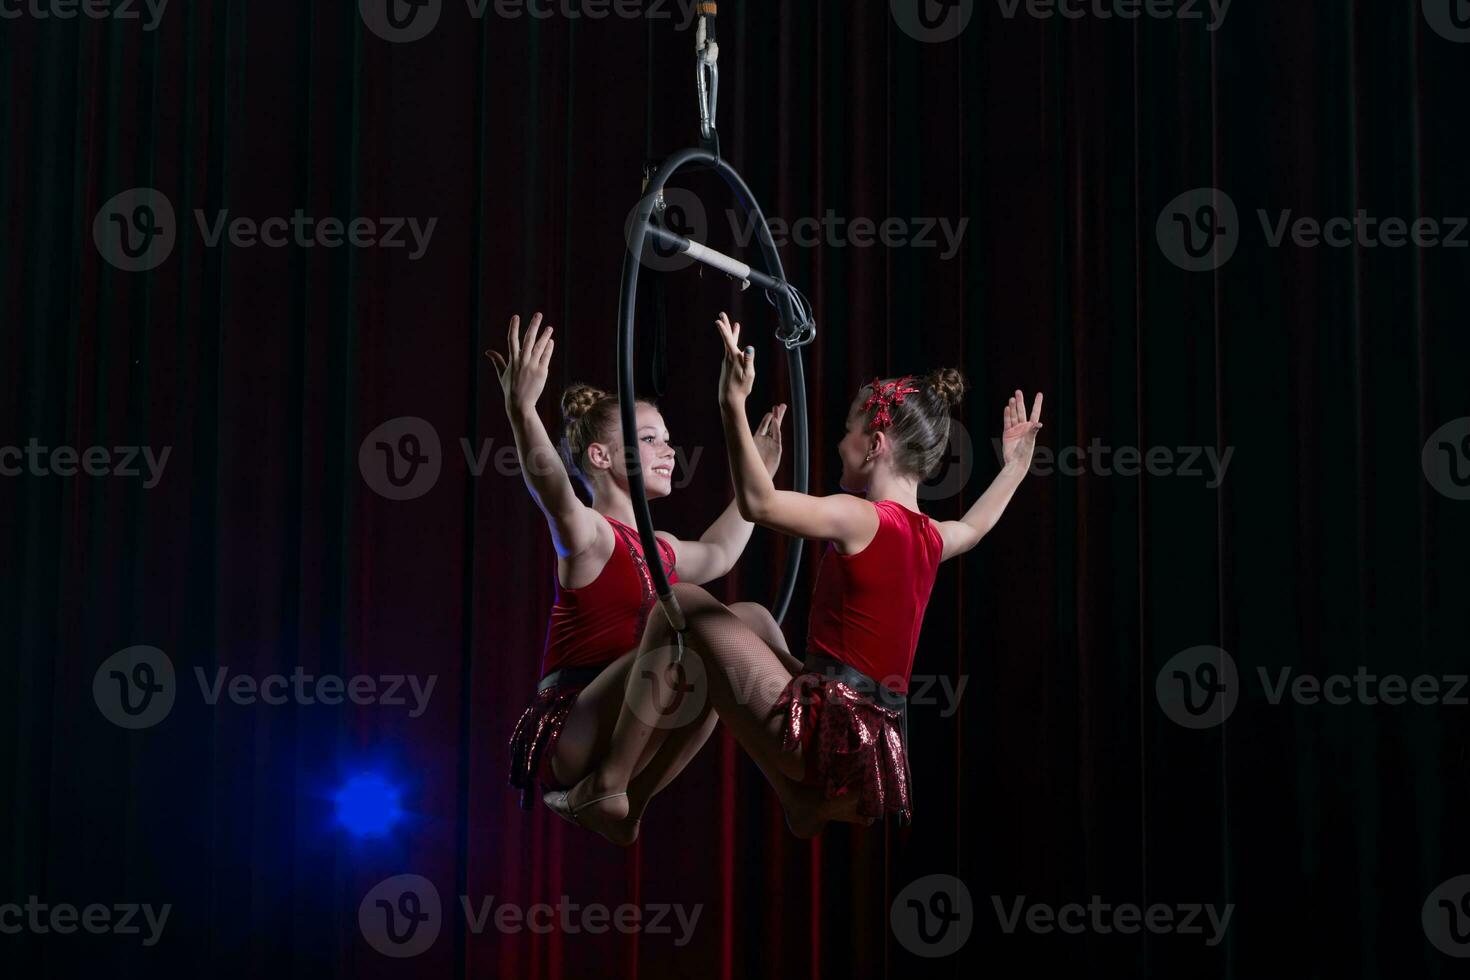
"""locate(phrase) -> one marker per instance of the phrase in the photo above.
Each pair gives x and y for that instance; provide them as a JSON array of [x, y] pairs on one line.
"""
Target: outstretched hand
[[523, 375], [1018, 438], [737, 373], [768, 438]]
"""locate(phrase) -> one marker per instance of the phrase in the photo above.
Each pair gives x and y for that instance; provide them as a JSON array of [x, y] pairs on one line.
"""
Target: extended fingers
[[1036, 409], [728, 335], [538, 352], [513, 337]]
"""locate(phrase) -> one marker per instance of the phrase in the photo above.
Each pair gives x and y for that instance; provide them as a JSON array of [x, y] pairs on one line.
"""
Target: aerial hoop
[[797, 326]]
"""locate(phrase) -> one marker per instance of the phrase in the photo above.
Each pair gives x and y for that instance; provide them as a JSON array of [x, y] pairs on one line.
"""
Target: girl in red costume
[[830, 734], [604, 591]]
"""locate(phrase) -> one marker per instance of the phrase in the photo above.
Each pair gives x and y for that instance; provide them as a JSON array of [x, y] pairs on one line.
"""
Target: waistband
[[860, 682], [571, 677]]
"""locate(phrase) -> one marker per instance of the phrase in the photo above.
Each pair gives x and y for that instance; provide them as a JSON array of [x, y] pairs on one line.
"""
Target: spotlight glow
[[367, 805]]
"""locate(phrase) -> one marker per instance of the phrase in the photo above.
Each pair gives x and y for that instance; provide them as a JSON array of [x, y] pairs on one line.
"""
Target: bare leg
[[681, 745], [742, 677]]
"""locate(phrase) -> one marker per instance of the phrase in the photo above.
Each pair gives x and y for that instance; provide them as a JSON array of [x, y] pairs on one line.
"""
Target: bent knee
[[752, 612], [759, 619]]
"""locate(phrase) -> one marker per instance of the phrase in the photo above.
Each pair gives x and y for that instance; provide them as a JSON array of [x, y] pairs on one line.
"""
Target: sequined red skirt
[[850, 744], [533, 742]]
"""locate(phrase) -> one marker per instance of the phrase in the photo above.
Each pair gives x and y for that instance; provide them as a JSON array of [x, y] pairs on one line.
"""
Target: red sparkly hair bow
[[884, 397]]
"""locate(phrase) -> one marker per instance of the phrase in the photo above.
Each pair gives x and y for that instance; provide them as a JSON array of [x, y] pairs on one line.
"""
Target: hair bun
[[578, 400], [949, 384]]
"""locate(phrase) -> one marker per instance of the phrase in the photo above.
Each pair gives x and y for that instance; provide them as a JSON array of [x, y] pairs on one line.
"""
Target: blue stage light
[[368, 805]]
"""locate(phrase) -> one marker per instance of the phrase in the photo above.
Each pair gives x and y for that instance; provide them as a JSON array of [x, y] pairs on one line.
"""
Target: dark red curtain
[[264, 548]]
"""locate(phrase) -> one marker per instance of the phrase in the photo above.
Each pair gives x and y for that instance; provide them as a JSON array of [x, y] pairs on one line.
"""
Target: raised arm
[[574, 525], [842, 519], [1018, 440]]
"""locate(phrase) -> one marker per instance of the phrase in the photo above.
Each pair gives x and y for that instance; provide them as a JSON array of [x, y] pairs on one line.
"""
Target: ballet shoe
[[622, 832]]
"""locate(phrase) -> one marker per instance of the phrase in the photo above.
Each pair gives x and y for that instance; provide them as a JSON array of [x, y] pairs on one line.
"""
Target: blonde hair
[[590, 415]]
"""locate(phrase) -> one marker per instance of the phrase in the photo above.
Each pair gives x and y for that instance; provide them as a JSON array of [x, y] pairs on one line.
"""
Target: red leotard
[[604, 619], [867, 607]]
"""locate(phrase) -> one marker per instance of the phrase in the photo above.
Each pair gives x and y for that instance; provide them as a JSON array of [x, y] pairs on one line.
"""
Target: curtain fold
[[1037, 171]]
